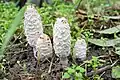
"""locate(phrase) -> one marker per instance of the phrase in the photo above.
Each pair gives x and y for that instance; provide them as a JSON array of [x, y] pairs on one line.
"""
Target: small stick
[[17, 52], [15, 45], [50, 65], [86, 69], [102, 74]]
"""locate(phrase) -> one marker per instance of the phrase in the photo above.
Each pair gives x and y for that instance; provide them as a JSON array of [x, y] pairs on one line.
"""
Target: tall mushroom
[[61, 40], [40, 42], [32, 26], [79, 51]]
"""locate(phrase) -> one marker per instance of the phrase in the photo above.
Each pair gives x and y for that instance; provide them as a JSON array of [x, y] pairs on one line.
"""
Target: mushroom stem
[[64, 62]]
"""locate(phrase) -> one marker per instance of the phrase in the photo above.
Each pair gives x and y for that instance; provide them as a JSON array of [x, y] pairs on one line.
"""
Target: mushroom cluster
[[41, 43]]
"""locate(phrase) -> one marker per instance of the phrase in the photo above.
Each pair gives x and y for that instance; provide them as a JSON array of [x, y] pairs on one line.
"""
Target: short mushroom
[[43, 47], [79, 50]]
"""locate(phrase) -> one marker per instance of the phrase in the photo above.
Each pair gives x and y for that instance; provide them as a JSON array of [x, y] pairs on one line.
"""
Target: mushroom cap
[[61, 37], [32, 25]]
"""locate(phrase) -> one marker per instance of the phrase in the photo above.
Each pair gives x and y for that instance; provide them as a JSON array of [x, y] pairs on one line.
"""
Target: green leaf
[[110, 30], [73, 66], [71, 71], [95, 65], [117, 48], [66, 76], [94, 58], [80, 69], [116, 72], [79, 75], [117, 52], [106, 43]]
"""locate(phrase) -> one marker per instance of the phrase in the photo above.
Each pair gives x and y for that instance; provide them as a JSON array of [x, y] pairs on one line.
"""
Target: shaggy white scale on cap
[[79, 50], [32, 25], [44, 47], [61, 39]]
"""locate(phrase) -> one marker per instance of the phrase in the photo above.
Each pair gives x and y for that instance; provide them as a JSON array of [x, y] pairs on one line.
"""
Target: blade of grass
[[12, 29]]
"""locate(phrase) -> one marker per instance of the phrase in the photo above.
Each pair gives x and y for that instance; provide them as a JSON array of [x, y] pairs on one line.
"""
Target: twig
[[104, 56], [114, 63], [102, 74], [110, 57], [85, 69], [17, 37], [15, 45], [113, 17], [83, 63], [50, 66], [102, 69], [17, 52]]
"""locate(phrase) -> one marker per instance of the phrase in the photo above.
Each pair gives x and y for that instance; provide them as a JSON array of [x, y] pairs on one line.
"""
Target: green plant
[[94, 63], [74, 72], [87, 34], [117, 50], [97, 77], [13, 27], [2, 70], [96, 6], [7, 12]]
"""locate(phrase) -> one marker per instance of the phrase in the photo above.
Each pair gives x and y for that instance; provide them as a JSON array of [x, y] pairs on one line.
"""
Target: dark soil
[[20, 63]]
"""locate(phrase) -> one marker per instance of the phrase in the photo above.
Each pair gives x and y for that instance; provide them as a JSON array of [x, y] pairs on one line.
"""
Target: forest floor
[[20, 64]]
